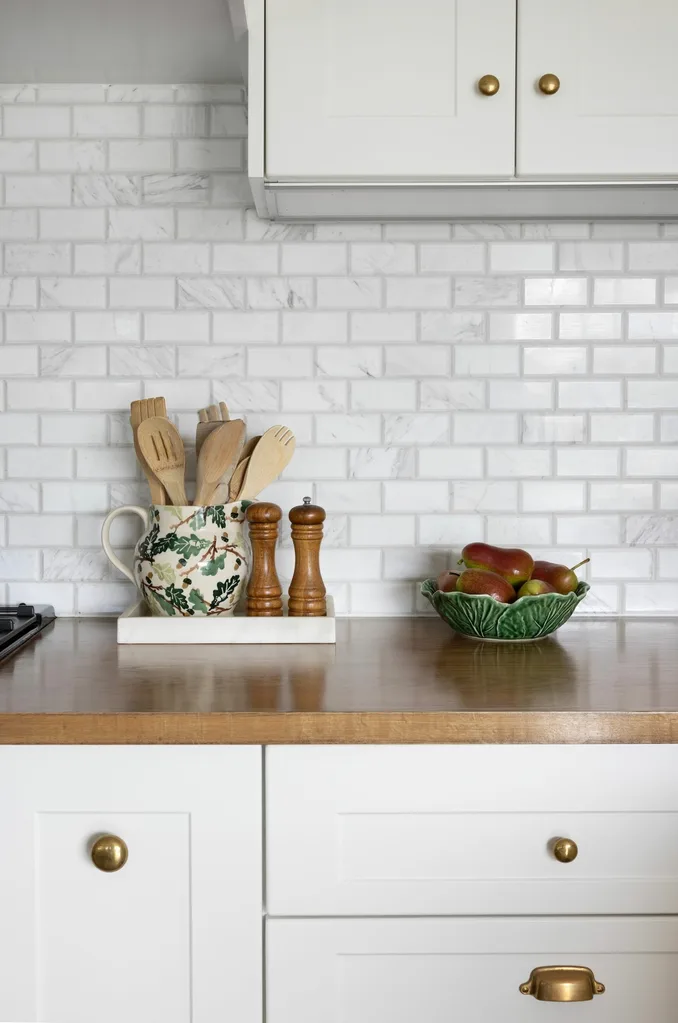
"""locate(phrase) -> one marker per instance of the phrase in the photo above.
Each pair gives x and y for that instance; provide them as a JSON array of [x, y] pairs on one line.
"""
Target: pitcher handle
[[144, 515]]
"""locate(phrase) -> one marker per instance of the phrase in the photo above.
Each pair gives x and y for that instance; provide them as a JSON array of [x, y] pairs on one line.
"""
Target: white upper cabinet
[[388, 89], [616, 111]]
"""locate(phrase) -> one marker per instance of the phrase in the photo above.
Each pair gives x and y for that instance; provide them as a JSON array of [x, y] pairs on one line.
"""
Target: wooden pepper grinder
[[307, 590], [264, 593]]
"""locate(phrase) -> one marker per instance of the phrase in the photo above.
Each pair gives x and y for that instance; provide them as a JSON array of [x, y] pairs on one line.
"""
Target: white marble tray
[[136, 625]]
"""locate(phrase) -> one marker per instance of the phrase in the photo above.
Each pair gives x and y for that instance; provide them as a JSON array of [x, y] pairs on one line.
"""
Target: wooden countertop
[[389, 680]]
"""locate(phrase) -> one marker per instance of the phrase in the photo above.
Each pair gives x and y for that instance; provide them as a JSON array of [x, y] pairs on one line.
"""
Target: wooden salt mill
[[264, 593], [307, 590]]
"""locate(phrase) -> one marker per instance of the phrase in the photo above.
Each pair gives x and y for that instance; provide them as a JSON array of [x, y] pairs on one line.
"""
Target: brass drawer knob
[[109, 853], [562, 984], [549, 84], [489, 85], [565, 850]]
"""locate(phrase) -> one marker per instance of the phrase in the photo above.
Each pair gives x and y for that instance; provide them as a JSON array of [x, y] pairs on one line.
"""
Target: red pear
[[447, 581], [475, 580], [560, 577], [511, 563]]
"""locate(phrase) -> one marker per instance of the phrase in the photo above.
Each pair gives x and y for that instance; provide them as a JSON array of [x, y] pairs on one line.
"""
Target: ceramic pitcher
[[189, 560]]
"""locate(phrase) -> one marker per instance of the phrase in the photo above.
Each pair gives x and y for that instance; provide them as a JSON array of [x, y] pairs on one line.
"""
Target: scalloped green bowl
[[482, 617]]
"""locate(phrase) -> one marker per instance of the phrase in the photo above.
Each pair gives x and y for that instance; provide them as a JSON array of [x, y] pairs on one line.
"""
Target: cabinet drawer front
[[149, 940], [471, 830], [369, 971]]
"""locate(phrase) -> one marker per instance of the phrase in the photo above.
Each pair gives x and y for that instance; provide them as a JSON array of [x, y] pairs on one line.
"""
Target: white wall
[[447, 382]]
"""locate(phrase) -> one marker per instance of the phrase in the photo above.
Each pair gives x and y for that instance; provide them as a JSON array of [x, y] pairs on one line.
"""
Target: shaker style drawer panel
[[82, 940], [445, 830], [447, 971]]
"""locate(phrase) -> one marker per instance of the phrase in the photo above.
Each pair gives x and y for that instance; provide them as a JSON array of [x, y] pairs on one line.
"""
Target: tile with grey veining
[[140, 94], [111, 258], [19, 497], [72, 360], [452, 394], [211, 292], [130, 493], [381, 463], [259, 230], [452, 326], [279, 292], [652, 529], [231, 190], [17, 93], [66, 565], [493, 232], [18, 293], [211, 360], [119, 431], [173, 189], [142, 361], [415, 428], [106, 190], [487, 291], [249, 395], [335, 531]]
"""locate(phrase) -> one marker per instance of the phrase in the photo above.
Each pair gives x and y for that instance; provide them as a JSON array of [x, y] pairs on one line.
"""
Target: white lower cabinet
[[175, 933], [471, 970]]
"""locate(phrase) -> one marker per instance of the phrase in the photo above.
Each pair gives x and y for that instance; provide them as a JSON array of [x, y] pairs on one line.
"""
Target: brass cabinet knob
[[489, 85], [565, 850], [109, 853], [562, 984], [549, 84]]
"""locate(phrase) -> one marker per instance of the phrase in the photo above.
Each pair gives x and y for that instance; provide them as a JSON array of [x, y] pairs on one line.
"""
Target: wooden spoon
[[267, 461], [140, 410], [210, 418], [240, 469], [219, 456], [163, 449]]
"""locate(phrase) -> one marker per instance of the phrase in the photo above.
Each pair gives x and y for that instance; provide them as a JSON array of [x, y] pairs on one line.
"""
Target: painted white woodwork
[[175, 935], [388, 89], [616, 112], [441, 971], [452, 830]]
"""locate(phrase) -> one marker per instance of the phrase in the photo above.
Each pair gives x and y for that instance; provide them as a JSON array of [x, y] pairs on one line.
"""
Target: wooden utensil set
[[229, 467]]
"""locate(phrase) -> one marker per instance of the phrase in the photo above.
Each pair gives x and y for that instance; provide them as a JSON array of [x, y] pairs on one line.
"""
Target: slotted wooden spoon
[[146, 408], [163, 449], [267, 461], [218, 458]]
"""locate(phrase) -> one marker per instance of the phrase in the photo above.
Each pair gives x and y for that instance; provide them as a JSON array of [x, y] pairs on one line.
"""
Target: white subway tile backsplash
[[446, 382]]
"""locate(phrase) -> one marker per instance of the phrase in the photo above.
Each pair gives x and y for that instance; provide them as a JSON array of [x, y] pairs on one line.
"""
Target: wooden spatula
[[240, 469], [219, 456], [210, 418], [140, 410], [163, 449], [267, 461]]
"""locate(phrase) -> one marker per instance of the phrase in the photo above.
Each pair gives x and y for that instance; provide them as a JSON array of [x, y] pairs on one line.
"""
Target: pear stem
[[584, 562]]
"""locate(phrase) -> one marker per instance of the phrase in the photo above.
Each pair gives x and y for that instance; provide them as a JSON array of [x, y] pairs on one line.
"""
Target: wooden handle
[[264, 593], [307, 590]]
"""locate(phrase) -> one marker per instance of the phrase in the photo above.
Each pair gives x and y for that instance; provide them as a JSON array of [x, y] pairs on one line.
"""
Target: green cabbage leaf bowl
[[483, 617]]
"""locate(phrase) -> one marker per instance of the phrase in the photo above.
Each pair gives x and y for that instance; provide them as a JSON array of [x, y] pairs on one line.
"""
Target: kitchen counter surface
[[388, 680]]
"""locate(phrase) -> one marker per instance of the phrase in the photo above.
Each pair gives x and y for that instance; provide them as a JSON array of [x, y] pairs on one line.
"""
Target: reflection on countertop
[[387, 680]]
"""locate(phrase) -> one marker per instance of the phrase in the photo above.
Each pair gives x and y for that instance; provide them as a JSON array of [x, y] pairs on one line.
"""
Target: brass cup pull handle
[[562, 984], [565, 850], [109, 853], [549, 84], [488, 85]]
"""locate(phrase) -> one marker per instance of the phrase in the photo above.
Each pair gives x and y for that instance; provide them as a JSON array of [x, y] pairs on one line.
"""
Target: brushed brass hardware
[[549, 84], [565, 850], [109, 853], [488, 85], [562, 984]]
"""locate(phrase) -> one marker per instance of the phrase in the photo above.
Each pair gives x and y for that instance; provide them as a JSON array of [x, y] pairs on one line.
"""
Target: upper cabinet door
[[616, 111], [389, 89]]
